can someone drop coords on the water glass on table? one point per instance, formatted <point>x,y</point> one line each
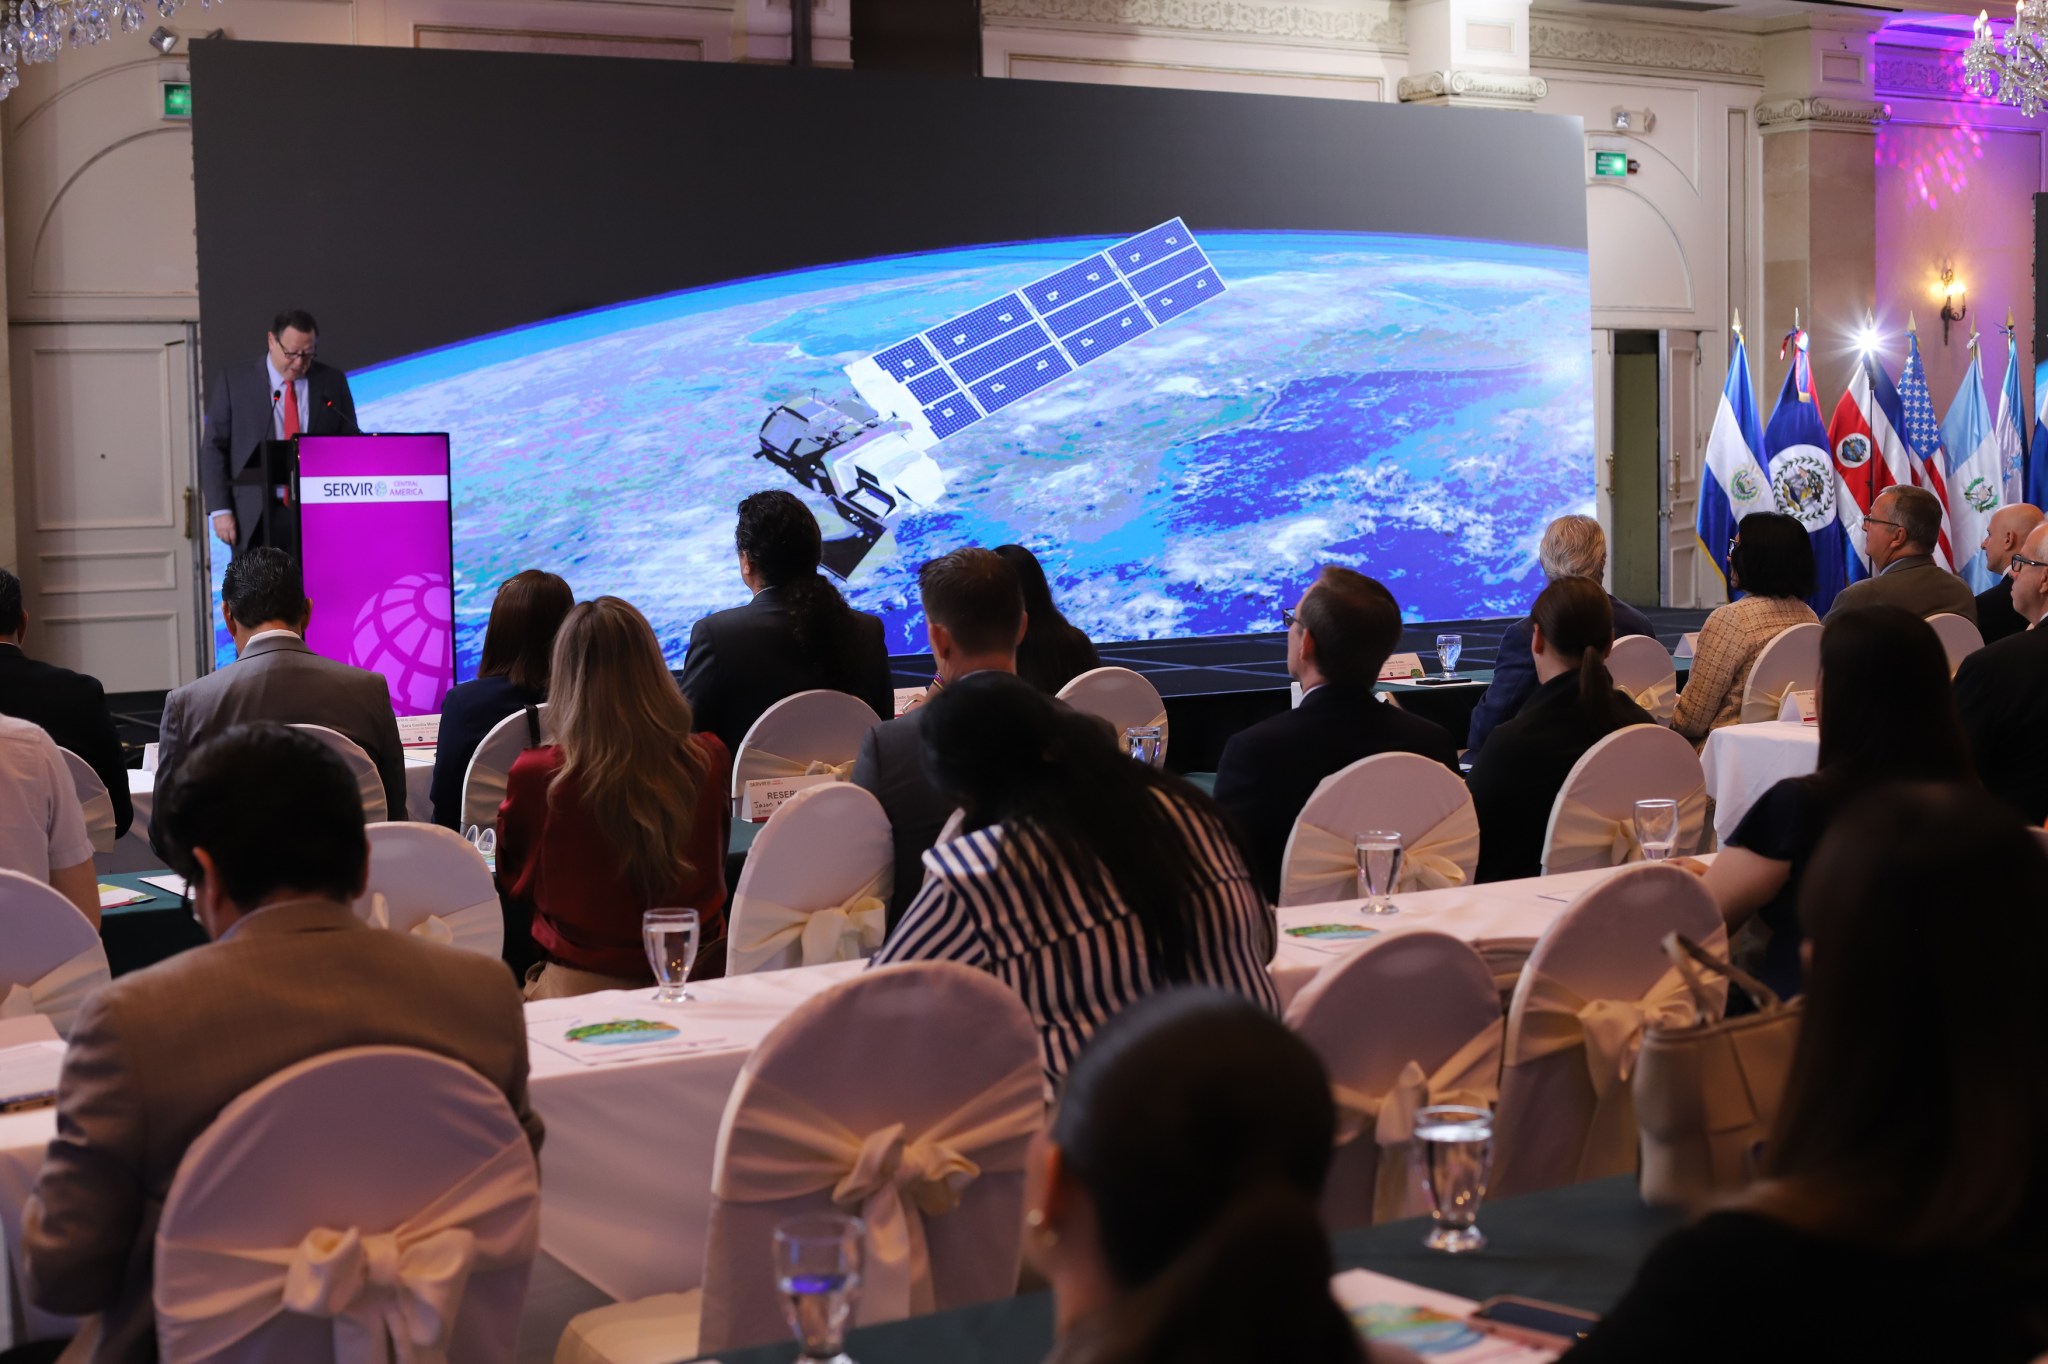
<point>1144,742</point>
<point>670,936</point>
<point>1448,647</point>
<point>1454,1154</point>
<point>817,1267</point>
<point>1656,828</point>
<point>1379,869</point>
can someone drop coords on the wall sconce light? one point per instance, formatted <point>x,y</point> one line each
<point>1955,301</point>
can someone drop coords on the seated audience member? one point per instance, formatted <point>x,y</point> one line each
<point>1885,715</point>
<point>2002,694</point>
<point>1172,1205</point>
<point>1575,705</point>
<point>797,634</point>
<point>1080,878</point>
<point>1899,535</point>
<point>276,677</point>
<point>1053,653</point>
<point>512,676</point>
<point>1338,636</point>
<point>2010,526</point>
<point>1771,562</point>
<point>267,825</point>
<point>1902,1213</point>
<point>624,812</point>
<point>71,707</point>
<point>974,616</point>
<point>1573,547</point>
<point>42,826</point>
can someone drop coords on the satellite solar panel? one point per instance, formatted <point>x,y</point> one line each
<point>1106,335</point>
<point>1101,303</point>
<point>907,359</point>
<point>1147,247</point>
<point>1025,377</point>
<point>932,386</point>
<point>1179,265</point>
<point>979,364</point>
<point>1176,299</point>
<point>983,325</point>
<point>951,414</point>
<point>1056,291</point>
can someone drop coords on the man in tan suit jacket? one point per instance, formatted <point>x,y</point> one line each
<point>267,824</point>
<point>1900,534</point>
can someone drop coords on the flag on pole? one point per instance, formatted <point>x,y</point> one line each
<point>1923,437</point>
<point>2037,454</point>
<point>2012,422</point>
<point>1733,484</point>
<point>1870,454</point>
<point>1803,476</point>
<point>1977,481</point>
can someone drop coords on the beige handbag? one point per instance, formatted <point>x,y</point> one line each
<point>1706,1095</point>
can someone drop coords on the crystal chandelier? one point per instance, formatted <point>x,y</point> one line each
<point>2014,69</point>
<point>37,30</point>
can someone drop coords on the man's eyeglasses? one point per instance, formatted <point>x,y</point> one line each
<point>1880,521</point>
<point>2022,561</point>
<point>306,354</point>
<point>1289,620</point>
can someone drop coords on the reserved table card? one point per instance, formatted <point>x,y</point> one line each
<point>764,797</point>
<point>1801,707</point>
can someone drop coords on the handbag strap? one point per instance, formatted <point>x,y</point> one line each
<point>532,727</point>
<point>1684,953</point>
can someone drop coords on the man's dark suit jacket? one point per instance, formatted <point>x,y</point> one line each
<point>73,709</point>
<point>1514,670</point>
<point>2002,696</point>
<point>1996,618</point>
<point>1268,772</point>
<point>238,420</point>
<point>891,765</point>
<point>744,660</point>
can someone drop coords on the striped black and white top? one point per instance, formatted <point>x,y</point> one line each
<point>998,899</point>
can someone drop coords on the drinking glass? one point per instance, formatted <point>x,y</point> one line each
<point>1143,743</point>
<point>1379,869</point>
<point>1656,828</point>
<point>1454,1154</point>
<point>671,939</point>
<point>1448,647</point>
<point>817,1267</point>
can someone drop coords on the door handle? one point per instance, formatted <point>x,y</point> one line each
<point>188,511</point>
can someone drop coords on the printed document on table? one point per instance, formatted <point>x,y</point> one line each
<point>610,1039</point>
<point>1396,1312</point>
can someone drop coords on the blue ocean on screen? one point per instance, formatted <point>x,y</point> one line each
<point>1415,407</point>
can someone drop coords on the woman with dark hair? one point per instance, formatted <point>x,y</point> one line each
<point>1886,714</point>
<point>1771,562</point>
<point>512,676</point>
<point>1053,652</point>
<point>1903,1211</point>
<point>1516,778</point>
<point>1172,1204</point>
<point>1080,878</point>
<point>797,634</point>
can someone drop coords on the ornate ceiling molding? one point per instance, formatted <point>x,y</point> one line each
<point>1491,88</point>
<point>1556,40</point>
<point>1378,25</point>
<point>1933,75</point>
<point>1820,113</point>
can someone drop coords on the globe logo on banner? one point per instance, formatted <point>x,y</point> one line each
<point>402,632</point>
<point>1804,482</point>
<point>1854,451</point>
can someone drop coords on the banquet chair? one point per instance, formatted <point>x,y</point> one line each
<point>1592,821</point>
<point>345,1195</point>
<point>813,733</point>
<point>816,884</point>
<point>431,882</point>
<point>1421,799</point>
<point>92,795</point>
<point>375,807</point>
<point>1404,1022</point>
<point>50,957</point>
<point>1959,638</point>
<point>1643,669</point>
<point>483,781</point>
<point>1597,979</point>
<point>1790,662</point>
<point>905,1096</point>
<point>1122,697</point>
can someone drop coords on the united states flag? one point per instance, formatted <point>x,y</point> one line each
<point>1923,438</point>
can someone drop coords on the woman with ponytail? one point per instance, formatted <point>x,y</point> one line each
<point>1575,705</point>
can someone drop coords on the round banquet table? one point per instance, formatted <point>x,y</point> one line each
<point>1744,761</point>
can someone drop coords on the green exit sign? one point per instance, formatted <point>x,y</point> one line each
<point>177,99</point>
<point>1610,163</point>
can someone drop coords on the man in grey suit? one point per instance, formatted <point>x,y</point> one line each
<point>974,614</point>
<point>276,677</point>
<point>1900,534</point>
<point>267,825</point>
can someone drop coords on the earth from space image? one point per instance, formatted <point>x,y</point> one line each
<point>1415,407</point>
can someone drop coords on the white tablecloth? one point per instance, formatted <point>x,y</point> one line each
<point>1744,761</point>
<point>419,784</point>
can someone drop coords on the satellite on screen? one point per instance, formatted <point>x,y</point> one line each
<point>871,455</point>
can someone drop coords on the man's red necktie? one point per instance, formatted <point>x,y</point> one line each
<point>291,410</point>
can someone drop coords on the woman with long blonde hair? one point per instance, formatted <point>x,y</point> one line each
<point>624,812</point>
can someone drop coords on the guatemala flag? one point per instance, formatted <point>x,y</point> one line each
<point>1803,475</point>
<point>2037,457</point>
<point>1870,454</point>
<point>1977,479</point>
<point>2012,421</point>
<point>1733,484</point>
<point>1923,438</point>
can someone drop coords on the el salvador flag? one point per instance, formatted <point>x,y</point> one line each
<point>1803,475</point>
<point>2037,456</point>
<point>1734,484</point>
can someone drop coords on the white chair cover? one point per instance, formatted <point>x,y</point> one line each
<point>367,1206</point>
<point>1122,697</point>
<point>1597,978</point>
<point>1790,662</point>
<point>375,806</point>
<point>1404,1022</point>
<point>813,733</point>
<point>1592,822</point>
<point>483,781</point>
<point>816,885</point>
<point>50,957</point>
<point>1959,638</point>
<point>1423,800</point>
<point>92,794</point>
<point>1643,669</point>
<point>429,881</point>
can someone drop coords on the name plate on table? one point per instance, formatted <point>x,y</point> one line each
<point>763,798</point>
<point>1401,667</point>
<point>1687,644</point>
<point>906,697</point>
<point>1800,706</point>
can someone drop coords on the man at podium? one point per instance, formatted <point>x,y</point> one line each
<point>287,393</point>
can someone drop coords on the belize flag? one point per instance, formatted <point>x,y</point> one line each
<point>1923,438</point>
<point>1803,476</point>
<point>1733,484</point>
<point>1977,479</point>
<point>2037,454</point>
<point>1870,454</point>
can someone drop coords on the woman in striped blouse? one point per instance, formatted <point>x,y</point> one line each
<point>1082,879</point>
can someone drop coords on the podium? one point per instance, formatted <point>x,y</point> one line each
<point>274,470</point>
